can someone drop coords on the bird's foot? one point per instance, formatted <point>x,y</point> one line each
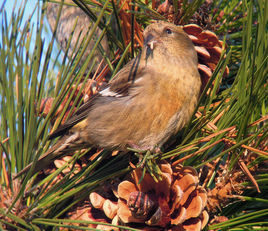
<point>149,163</point>
<point>148,158</point>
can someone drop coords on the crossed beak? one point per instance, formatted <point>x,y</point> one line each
<point>150,41</point>
<point>151,44</point>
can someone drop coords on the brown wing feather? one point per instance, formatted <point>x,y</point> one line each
<point>123,80</point>
<point>120,84</point>
<point>78,116</point>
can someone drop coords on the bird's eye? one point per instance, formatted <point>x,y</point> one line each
<point>168,31</point>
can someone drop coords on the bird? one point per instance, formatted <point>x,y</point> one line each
<point>149,100</point>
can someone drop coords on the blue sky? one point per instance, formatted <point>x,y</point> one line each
<point>10,4</point>
<point>30,6</point>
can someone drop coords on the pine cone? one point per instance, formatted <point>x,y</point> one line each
<point>174,203</point>
<point>7,196</point>
<point>208,48</point>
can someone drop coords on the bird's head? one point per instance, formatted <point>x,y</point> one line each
<point>166,39</point>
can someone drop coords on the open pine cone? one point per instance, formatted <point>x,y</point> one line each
<point>176,202</point>
<point>208,48</point>
<point>8,194</point>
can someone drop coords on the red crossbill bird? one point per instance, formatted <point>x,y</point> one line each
<point>149,100</point>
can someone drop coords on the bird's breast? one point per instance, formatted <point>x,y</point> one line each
<point>165,104</point>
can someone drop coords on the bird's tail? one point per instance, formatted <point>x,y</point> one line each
<point>65,145</point>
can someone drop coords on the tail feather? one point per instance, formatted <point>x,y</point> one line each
<point>65,145</point>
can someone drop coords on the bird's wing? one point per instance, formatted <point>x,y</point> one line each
<point>77,117</point>
<point>117,87</point>
<point>125,78</point>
